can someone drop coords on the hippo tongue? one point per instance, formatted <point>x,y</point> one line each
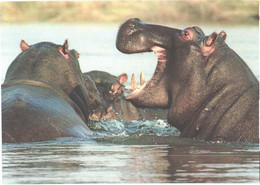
<point>161,54</point>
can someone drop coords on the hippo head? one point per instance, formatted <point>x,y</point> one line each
<point>53,66</point>
<point>182,66</point>
<point>105,94</point>
<point>176,49</point>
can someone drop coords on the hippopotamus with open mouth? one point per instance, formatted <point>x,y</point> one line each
<point>210,91</point>
<point>44,96</point>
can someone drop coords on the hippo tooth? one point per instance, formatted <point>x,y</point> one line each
<point>133,82</point>
<point>142,81</point>
<point>128,87</point>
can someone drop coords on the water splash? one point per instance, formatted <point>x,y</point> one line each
<point>115,128</point>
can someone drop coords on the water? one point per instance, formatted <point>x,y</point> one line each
<point>136,159</point>
<point>124,152</point>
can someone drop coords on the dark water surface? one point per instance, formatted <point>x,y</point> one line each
<point>124,152</point>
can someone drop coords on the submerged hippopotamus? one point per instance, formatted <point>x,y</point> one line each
<point>44,95</point>
<point>210,91</point>
<point>107,100</point>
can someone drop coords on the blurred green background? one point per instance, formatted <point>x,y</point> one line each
<point>193,11</point>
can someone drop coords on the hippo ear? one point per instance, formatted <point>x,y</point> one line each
<point>24,46</point>
<point>65,47</point>
<point>211,39</point>
<point>223,35</point>
<point>64,50</point>
<point>116,86</point>
<point>76,54</point>
<point>199,30</point>
<point>122,78</point>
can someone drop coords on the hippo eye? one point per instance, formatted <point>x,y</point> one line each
<point>186,33</point>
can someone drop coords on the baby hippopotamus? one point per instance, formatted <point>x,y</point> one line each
<point>107,99</point>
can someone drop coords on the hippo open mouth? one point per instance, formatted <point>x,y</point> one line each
<point>135,90</point>
<point>134,36</point>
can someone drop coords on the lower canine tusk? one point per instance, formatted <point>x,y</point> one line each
<point>133,82</point>
<point>142,81</point>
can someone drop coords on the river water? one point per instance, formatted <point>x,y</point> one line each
<point>124,152</point>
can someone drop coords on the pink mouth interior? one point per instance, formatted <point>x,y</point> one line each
<point>160,52</point>
<point>161,64</point>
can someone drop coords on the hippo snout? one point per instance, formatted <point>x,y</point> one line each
<point>135,20</point>
<point>133,37</point>
<point>131,26</point>
<point>134,24</point>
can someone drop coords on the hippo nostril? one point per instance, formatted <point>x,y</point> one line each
<point>137,20</point>
<point>134,23</point>
<point>134,20</point>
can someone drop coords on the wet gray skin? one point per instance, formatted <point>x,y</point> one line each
<point>107,100</point>
<point>44,96</point>
<point>210,91</point>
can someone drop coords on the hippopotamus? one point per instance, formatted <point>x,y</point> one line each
<point>44,96</point>
<point>107,100</point>
<point>210,91</point>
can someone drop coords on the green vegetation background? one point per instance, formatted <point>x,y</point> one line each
<point>194,11</point>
